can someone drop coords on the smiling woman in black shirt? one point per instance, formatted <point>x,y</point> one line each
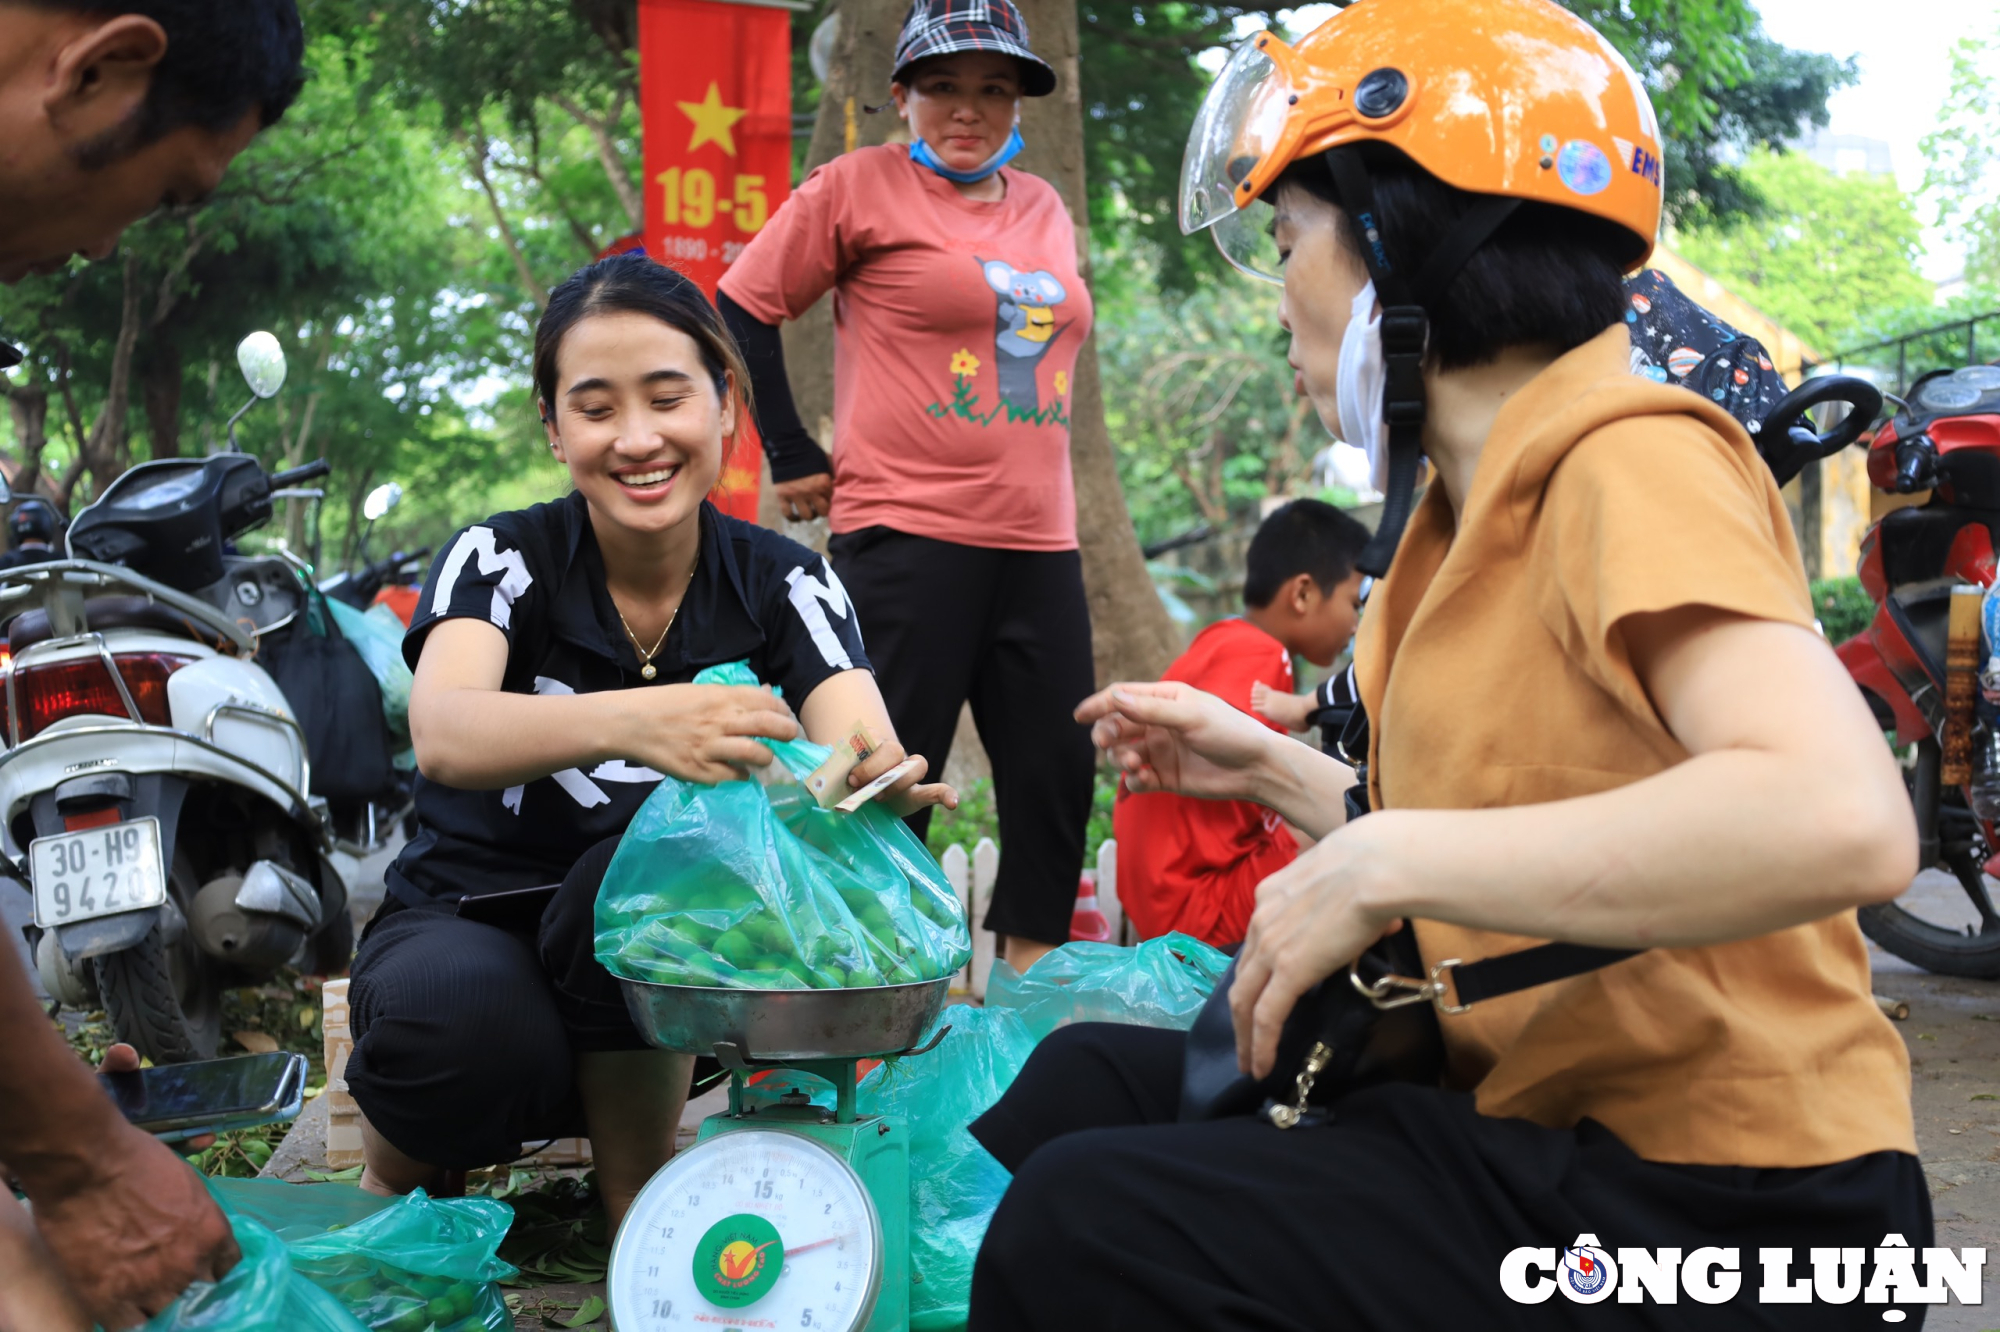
<point>552,650</point>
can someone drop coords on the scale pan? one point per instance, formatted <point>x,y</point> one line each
<point>770,1025</point>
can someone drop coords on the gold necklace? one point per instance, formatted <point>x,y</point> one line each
<point>646,668</point>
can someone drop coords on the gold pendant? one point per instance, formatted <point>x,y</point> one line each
<point>647,672</point>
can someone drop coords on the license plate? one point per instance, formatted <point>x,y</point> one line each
<point>96,872</point>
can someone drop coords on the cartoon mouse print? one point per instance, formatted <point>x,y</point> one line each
<point>1024,328</point>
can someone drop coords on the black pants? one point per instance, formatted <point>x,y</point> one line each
<point>466,1034</point>
<point>1009,632</point>
<point>1396,1216</point>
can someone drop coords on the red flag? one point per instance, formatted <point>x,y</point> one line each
<point>716,102</point>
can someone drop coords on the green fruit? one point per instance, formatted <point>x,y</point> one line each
<point>736,948</point>
<point>769,934</point>
<point>414,1319</point>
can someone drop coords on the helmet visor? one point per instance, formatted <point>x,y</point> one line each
<point>1239,124</point>
<point>1245,239</point>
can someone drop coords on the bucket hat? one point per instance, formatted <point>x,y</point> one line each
<point>941,27</point>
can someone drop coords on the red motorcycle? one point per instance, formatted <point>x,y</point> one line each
<point>1946,440</point>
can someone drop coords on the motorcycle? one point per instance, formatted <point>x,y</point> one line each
<point>392,579</point>
<point>1945,440</point>
<point>156,789</point>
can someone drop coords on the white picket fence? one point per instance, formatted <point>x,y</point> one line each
<point>972,876</point>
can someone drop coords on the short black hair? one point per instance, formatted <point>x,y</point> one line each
<point>224,59</point>
<point>1306,536</point>
<point>1549,276</point>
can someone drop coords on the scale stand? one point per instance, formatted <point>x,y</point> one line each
<point>778,1216</point>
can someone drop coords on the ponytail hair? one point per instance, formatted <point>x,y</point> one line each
<point>632,283</point>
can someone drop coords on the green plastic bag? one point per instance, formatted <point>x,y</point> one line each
<point>378,636</point>
<point>750,884</point>
<point>954,1182</point>
<point>411,1264</point>
<point>260,1294</point>
<point>1162,982</point>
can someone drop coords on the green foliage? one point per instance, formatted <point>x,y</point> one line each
<point>1827,252</point>
<point>1199,399</point>
<point>1844,610</point>
<point>1719,85</point>
<point>1721,88</point>
<point>978,816</point>
<point>1141,90</point>
<point>1963,156</point>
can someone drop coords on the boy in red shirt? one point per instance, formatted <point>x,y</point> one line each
<point>1194,865</point>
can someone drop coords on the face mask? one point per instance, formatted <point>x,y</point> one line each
<point>921,154</point>
<point>1361,383</point>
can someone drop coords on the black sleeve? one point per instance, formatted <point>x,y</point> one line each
<point>793,452</point>
<point>490,571</point>
<point>810,628</point>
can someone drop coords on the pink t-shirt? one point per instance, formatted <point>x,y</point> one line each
<point>956,329</point>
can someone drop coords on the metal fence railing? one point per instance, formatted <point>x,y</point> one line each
<point>1895,363</point>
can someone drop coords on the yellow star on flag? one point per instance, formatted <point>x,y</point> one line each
<point>712,120</point>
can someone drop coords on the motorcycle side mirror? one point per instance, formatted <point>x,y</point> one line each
<point>6,493</point>
<point>380,500</point>
<point>1787,438</point>
<point>263,363</point>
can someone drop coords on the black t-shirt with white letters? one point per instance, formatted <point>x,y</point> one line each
<point>537,575</point>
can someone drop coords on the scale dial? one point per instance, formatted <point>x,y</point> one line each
<point>756,1228</point>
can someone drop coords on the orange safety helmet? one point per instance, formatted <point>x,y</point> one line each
<point>1511,101</point>
<point>1516,98</point>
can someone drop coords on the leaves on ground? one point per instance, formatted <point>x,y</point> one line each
<point>559,1234</point>
<point>590,1312</point>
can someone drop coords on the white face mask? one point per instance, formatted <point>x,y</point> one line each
<point>1361,383</point>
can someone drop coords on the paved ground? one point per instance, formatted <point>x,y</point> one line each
<point>1953,1032</point>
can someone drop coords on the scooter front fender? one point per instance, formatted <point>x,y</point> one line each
<point>1871,674</point>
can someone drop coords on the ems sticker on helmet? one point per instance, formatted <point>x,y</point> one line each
<point>1583,167</point>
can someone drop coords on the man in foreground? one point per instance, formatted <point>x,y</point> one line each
<point>107,114</point>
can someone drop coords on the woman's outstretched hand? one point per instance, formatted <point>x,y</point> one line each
<point>1313,918</point>
<point>1169,736</point>
<point>705,733</point>
<point>910,792</point>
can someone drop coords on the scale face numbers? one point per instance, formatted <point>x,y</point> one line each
<point>753,1229</point>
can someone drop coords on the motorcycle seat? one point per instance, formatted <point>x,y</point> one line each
<point>101,613</point>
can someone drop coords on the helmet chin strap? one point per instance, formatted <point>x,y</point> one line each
<point>1406,329</point>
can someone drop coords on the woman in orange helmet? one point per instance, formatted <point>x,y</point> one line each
<point>1602,717</point>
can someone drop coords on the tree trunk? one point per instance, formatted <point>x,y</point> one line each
<point>475,156</point>
<point>857,78</point>
<point>1130,631</point>
<point>160,386</point>
<point>603,135</point>
<point>30,410</point>
<point>1131,634</point>
<point>103,453</point>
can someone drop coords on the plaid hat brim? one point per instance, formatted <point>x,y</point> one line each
<point>945,27</point>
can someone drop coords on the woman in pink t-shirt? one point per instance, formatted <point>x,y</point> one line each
<point>958,314</point>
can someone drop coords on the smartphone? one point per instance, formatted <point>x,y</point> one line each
<point>177,1101</point>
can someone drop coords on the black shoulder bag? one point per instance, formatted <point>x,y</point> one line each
<point>1378,1023</point>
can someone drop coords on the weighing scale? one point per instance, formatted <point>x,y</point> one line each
<point>780,1216</point>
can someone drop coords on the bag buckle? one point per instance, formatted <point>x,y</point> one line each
<point>1291,1116</point>
<point>1393,991</point>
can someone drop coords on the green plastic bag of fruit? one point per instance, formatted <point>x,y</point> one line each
<point>750,884</point>
<point>415,1264</point>
<point>260,1294</point>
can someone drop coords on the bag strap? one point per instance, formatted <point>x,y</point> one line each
<point>1488,978</point>
<point>1491,977</point>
